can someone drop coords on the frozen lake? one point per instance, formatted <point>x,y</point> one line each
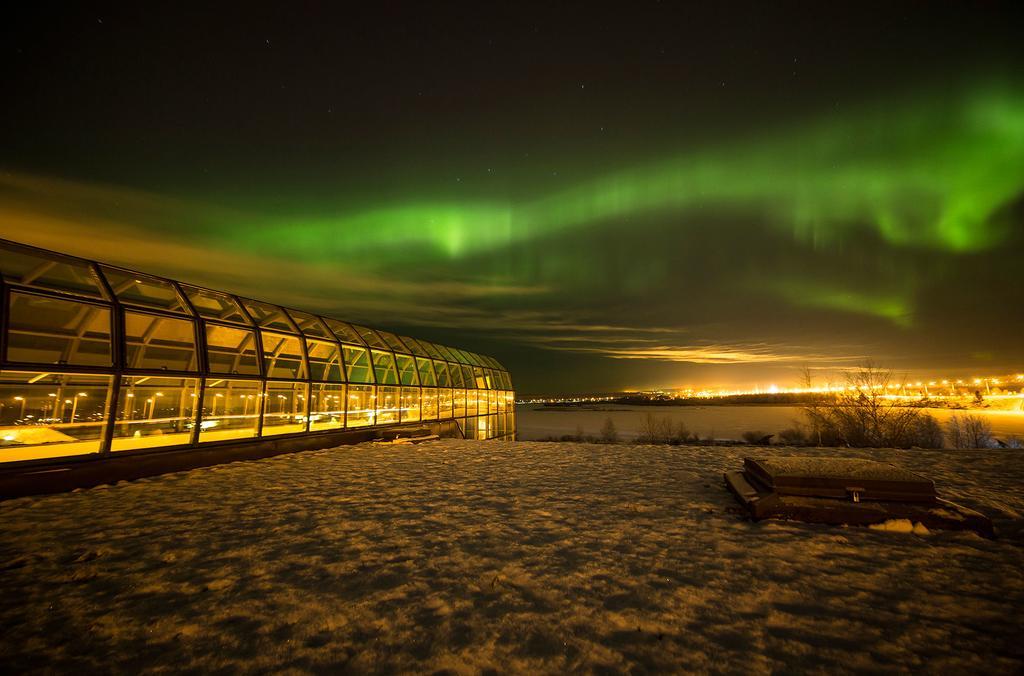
<point>721,422</point>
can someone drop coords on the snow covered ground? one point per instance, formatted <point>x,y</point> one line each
<point>524,557</point>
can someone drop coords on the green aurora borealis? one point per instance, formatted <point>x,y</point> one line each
<point>888,227</point>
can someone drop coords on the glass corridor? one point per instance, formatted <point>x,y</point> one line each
<point>96,359</point>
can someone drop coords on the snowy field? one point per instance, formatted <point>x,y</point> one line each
<point>466,557</point>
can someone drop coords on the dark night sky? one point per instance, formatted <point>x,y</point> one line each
<point>648,195</point>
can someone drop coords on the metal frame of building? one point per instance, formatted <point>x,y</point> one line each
<point>157,353</point>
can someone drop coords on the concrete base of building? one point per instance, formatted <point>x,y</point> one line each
<point>57,477</point>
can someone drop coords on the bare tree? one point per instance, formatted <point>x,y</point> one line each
<point>654,430</point>
<point>862,415</point>
<point>969,431</point>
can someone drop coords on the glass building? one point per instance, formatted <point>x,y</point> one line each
<point>101,360</point>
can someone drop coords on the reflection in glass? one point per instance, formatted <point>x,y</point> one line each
<point>361,406</point>
<point>426,368</point>
<point>384,368</point>
<point>441,369</point>
<point>343,331</point>
<point>459,403</point>
<point>326,407</point>
<point>393,341</point>
<point>50,272</point>
<point>357,364</point>
<point>284,408</point>
<point>444,403</point>
<point>132,288</point>
<point>153,411</point>
<point>309,325</point>
<point>231,409</point>
<point>406,369</point>
<point>282,356</point>
<point>325,360</point>
<point>48,415</point>
<point>231,350</point>
<point>268,316</point>
<point>428,403</point>
<point>388,402</point>
<point>410,404</point>
<point>370,337</point>
<point>215,305</point>
<point>159,343</point>
<point>44,330</point>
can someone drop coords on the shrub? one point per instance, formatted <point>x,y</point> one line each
<point>861,415</point>
<point>927,432</point>
<point>793,436</point>
<point>969,431</point>
<point>609,434</point>
<point>683,435</point>
<point>655,430</point>
<point>754,437</point>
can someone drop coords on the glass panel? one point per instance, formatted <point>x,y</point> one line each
<point>268,316</point>
<point>473,359</point>
<point>135,289</point>
<point>486,427</point>
<point>446,354</point>
<point>325,360</point>
<point>459,403</point>
<point>459,357</point>
<point>343,331</point>
<point>428,403</point>
<point>406,369</point>
<point>441,369</point>
<point>326,407</point>
<point>456,373</point>
<point>157,343</point>
<point>154,411</point>
<point>410,404</point>
<point>231,409</point>
<point>501,402</point>
<point>215,305</point>
<point>284,410</point>
<point>370,337</point>
<point>23,266</point>
<point>282,356</point>
<point>467,376</point>
<point>309,324</point>
<point>492,401</point>
<point>393,341</point>
<point>45,330</point>
<point>414,346</point>
<point>388,399</point>
<point>444,403</point>
<point>481,402</point>
<point>357,364</point>
<point>231,350</point>
<point>384,368</point>
<point>432,351</point>
<point>426,369</point>
<point>471,402</point>
<point>48,415</point>
<point>361,405</point>
<point>479,378</point>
